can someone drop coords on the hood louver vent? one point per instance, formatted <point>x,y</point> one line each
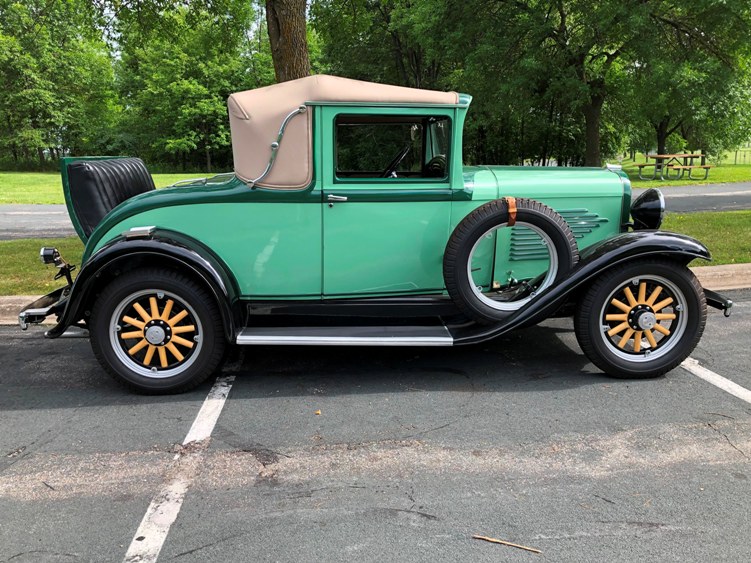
<point>527,245</point>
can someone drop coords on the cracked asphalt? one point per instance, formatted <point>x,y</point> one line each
<point>414,451</point>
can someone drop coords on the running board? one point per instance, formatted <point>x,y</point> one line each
<point>346,336</point>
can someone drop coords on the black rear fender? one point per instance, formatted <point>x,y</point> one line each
<point>593,261</point>
<point>165,249</point>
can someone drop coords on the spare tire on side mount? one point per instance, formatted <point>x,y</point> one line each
<point>486,304</point>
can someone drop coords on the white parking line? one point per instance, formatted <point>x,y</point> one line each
<point>164,508</point>
<point>692,365</point>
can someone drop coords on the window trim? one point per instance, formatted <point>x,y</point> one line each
<point>399,180</point>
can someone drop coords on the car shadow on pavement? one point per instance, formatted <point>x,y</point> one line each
<point>58,373</point>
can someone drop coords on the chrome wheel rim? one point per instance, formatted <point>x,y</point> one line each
<point>643,319</point>
<point>491,298</point>
<point>155,333</point>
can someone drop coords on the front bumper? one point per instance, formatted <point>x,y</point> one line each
<point>51,304</point>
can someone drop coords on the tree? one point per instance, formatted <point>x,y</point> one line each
<point>56,80</point>
<point>175,83</point>
<point>288,37</point>
<point>579,42</point>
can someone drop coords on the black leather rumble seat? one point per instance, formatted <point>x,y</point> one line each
<point>98,186</point>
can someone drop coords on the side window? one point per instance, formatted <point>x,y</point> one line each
<point>387,146</point>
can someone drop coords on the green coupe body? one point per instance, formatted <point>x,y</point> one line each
<point>351,219</point>
<point>389,236</point>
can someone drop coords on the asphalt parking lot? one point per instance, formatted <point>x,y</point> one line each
<point>413,452</point>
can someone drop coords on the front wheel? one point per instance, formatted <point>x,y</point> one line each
<point>642,319</point>
<point>157,331</point>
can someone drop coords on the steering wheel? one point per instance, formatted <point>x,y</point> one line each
<point>436,166</point>
<point>390,171</point>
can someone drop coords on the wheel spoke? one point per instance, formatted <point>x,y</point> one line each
<point>134,322</point>
<point>662,304</point>
<point>626,338</point>
<point>665,316</point>
<point>167,309</point>
<point>662,329</point>
<point>184,328</point>
<point>149,355</point>
<point>619,317</point>
<point>620,305</point>
<point>132,334</point>
<point>620,328</point>
<point>629,296</point>
<point>181,341</point>
<point>142,344</point>
<point>655,295</point>
<point>177,318</point>
<point>637,341</point>
<point>162,356</point>
<point>141,311</point>
<point>642,292</point>
<point>154,308</point>
<point>650,338</point>
<point>175,352</point>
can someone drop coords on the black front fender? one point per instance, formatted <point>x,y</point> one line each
<point>593,261</point>
<point>167,248</point>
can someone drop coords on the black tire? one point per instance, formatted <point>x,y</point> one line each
<point>487,308</point>
<point>171,351</point>
<point>637,350</point>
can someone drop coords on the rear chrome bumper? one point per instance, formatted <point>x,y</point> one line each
<point>36,312</point>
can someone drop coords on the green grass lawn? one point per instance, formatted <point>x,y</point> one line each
<point>46,187</point>
<point>726,234</point>
<point>725,173</point>
<point>21,272</point>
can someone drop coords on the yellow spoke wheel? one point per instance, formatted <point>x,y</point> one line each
<point>641,319</point>
<point>157,331</point>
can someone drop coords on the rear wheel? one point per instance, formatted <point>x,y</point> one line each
<point>642,319</point>
<point>157,331</point>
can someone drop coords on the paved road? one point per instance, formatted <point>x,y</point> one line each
<point>51,221</point>
<point>34,221</point>
<point>711,197</point>
<point>414,451</point>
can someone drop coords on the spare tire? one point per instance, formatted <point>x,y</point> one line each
<point>486,304</point>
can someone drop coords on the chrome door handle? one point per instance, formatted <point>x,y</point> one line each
<point>332,197</point>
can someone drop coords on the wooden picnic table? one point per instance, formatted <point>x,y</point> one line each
<point>664,164</point>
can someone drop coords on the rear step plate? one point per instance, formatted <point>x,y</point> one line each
<point>347,336</point>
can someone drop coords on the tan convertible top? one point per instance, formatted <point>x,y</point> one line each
<point>255,117</point>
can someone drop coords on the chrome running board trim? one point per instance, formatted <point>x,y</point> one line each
<point>346,336</point>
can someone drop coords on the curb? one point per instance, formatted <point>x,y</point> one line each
<point>716,278</point>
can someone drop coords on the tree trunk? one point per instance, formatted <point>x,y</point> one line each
<point>662,136</point>
<point>592,112</point>
<point>288,38</point>
<point>40,152</point>
<point>208,159</point>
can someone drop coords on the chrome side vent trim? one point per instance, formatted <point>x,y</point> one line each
<point>527,245</point>
<point>581,221</point>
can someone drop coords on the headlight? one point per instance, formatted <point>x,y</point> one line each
<point>648,209</point>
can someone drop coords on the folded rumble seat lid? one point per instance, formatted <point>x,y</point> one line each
<point>256,116</point>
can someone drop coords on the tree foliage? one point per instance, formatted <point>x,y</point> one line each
<point>56,81</point>
<point>174,79</point>
<point>563,82</point>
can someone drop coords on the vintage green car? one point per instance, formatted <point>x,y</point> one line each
<point>350,219</point>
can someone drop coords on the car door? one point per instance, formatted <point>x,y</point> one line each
<point>386,200</point>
